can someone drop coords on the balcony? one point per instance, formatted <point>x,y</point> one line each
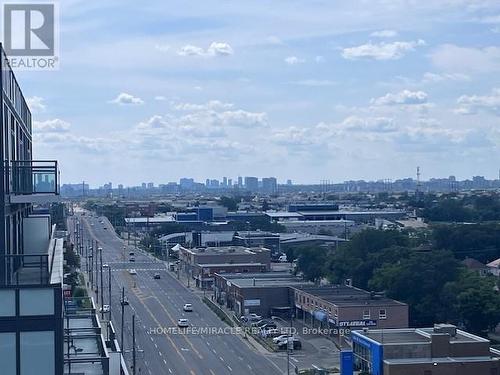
<point>33,181</point>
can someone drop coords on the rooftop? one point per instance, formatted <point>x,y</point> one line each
<point>223,250</point>
<point>264,279</point>
<point>410,336</point>
<point>342,295</point>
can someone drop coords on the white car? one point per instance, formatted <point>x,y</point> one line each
<point>273,332</point>
<point>132,271</point>
<point>104,309</point>
<point>183,323</point>
<point>282,338</point>
<point>188,307</point>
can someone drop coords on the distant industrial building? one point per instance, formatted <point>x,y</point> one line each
<point>441,350</point>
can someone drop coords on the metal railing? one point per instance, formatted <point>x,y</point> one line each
<point>32,177</point>
<point>22,269</point>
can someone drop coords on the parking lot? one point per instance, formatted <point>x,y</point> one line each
<point>315,350</point>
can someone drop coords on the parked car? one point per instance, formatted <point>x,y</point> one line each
<point>261,322</point>
<point>132,271</point>
<point>131,253</point>
<point>268,326</point>
<point>131,259</point>
<point>297,345</point>
<point>183,323</point>
<point>157,276</point>
<point>251,318</point>
<point>280,338</point>
<point>272,332</point>
<point>104,309</point>
<point>188,307</point>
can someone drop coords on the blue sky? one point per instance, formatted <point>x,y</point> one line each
<point>306,90</point>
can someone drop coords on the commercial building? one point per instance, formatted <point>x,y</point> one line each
<point>440,350</point>
<point>203,262</point>
<point>265,294</point>
<point>344,306</point>
<point>31,255</point>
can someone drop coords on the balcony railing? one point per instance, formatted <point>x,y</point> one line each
<point>33,269</point>
<point>28,177</point>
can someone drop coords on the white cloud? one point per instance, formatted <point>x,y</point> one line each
<point>51,126</point>
<point>368,124</point>
<point>294,60</point>
<point>405,97</point>
<point>452,58</point>
<point>215,49</point>
<point>469,105</point>
<point>243,119</point>
<point>384,34</point>
<point>381,51</point>
<point>160,98</point>
<point>440,77</point>
<point>36,104</point>
<point>314,82</point>
<point>210,105</point>
<point>190,50</point>
<point>219,49</point>
<point>127,99</point>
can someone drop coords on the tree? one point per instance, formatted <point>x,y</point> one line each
<point>419,281</point>
<point>311,262</point>
<point>230,203</point>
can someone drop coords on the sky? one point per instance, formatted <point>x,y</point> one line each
<point>306,90</point>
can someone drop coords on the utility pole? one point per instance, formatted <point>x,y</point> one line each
<point>102,288</point>
<point>109,290</point>
<point>133,344</point>
<point>123,318</point>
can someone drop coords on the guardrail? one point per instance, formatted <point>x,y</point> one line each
<point>32,177</point>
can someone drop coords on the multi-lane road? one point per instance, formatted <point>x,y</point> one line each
<point>157,305</point>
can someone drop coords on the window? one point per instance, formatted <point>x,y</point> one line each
<point>8,305</point>
<point>36,302</point>
<point>37,355</point>
<point>382,314</point>
<point>8,352</point>
<point>366,314</point>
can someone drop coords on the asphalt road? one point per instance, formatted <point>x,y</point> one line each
<point>157,305</point>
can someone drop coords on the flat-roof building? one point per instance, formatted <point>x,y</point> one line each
<point>439,350</point>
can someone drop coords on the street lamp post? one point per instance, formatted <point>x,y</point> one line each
<point>102,288</point>
<point>122,302</point>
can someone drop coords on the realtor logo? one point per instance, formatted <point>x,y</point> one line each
<point>30,35</point>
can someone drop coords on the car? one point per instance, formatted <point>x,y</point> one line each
<point>253,317</point>
<point>268,326</point>
<point>280,338</point>
<point>131,259</point>
<point>132,271</point>
<point>105,228</point>
<point>262,322</point>
<point>105,265</point>
<point>131,253</point>
<point>187,307</point>
<point>282,259</point>
<point>297,345</point>
<point>182,323</point>
<point>125,301</point>
<point>156,276</point>
<point>272,332</point>
<point>104,309</point>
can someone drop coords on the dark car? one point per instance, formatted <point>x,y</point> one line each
<point>157,276</point>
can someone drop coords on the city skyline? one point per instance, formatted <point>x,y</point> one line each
<point>359,90</point>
